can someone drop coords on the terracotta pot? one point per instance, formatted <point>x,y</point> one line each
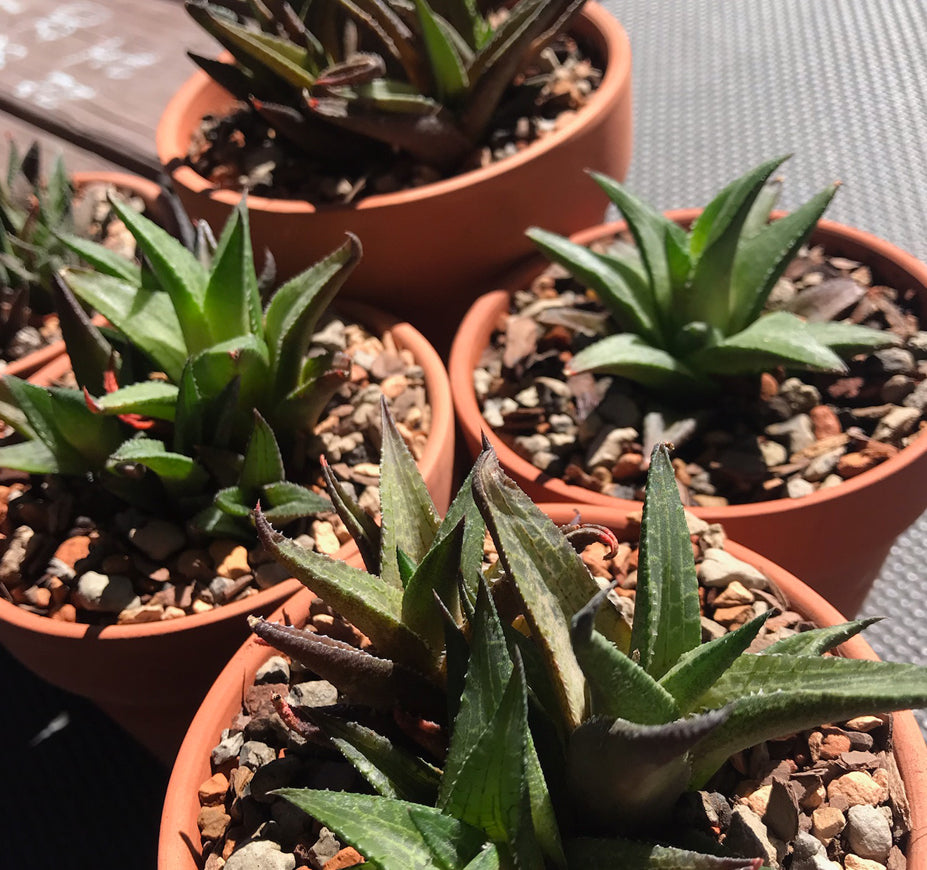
<point>179,845</point>
<point>150,678</point>
<point>835,539</point>
<point>150,193</point>
<point>414,265</point>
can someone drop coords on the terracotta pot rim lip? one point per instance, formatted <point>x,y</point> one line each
<point>616,78</point>
<point>808,602</point>
<point>466,401</point>
<point>145,187</point>
<point>439,399</point>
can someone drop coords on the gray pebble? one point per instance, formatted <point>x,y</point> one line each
<point>747,836</point>
<point>868,833</point>
<point>314,693</point>
<point>819,467</point>
<point>896,361</point>
<point>261,855</point>
<point>105,593</point>
<point>896,424</point>
<point>275,670</point>
<point>720,568</point>
<point>608,446</point>
<point>799,396</point>
<point>528,397</point>
<point>227,748</point>
<point>797,430</point>
<point>270,574</point>
<point>896,389</point>
<point>158,539</point>
<point>254,754</point>
<point>773,453</point>
<point>917,344</point>
<point>918,398</point>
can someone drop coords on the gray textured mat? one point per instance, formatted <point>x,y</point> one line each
<point>720,85</point>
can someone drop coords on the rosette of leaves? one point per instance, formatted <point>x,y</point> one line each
<point>32,212</point>
<point>424,77</point>
<point>195,398</point>
<point>569,737</point>
<point>689,306</point>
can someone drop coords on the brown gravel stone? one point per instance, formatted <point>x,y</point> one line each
<point>858,788</point>
<point>326,541</point>
<point>347,857</point>
<point>851,464</point>
<point>824,422</point>
<point>65,613</point>
<point>628,466</point>
<point>212,822</point>
<point>230,558</point>
<point>71,550</point>
<point>212,792</point>
<point>827,823</point>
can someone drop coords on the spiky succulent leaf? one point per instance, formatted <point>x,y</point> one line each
<point>463,509</point>
<point>848,338</point>
<point>775,695</point>
<point>409,520</point>
<point>630,356</point>
<point>447,66</point>
<point>618,686</point>
<point>653,760</point>
<point>761,259</point>
<point>232,300</point>
<point>263,463</point>
<point>90,353</point>
<point>634,855</point>
<point>102,259</point>
<point>390,770</point>
<point>624,298</point>
<point>818,641</point>
<point>698,670</point>
<point>179,473</point>
<point>362,527</point>
<point>179,274</point>
<point>667,622</point>
<point>775,338</point>
<point>285,501</point>
<point>295,309</point>
<point>373,606</point>
<point>150,398</point>
<point>145,316</point>
<point>392,834</point>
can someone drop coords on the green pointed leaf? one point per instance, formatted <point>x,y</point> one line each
<point>760,213</point>
<point>102,259</point>
<point>618,686</point>
<point>632,855</point>
<point>713,243</point>
<point>388,832</point>
<point>653,234</point>
<point>149,398</point>
<point>818,641</point>
<point>630,309</point>
<point>699,669</point>
<point>372,605</point>
<point>284,501</point>
<point>145,317</point>
<point>361,526</point>
<point>263,463</point>
<point>653,761</point>
<point>761,260</point>
<point>232,300</point>
<point>437,574</point>
<point>463,508</point>
<point>776,695</point>
<point>548,574</point>
<point>778,338</point>
<point>667,623</point>
<point>232,501</point>
<point>295,308</point>
<point>630,356</point>
<point>179,274</point>
<point>848,338</point>
<point>179,473</point>
<point>392,771</point>
<point>447,67</point>
<point>408,517</point>
<point>32,457</point>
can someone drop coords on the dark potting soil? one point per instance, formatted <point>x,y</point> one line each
<point>781,435</point>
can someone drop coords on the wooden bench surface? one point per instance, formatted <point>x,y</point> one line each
<point>93,72</point>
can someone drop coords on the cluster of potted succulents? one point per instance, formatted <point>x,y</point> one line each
<point>667,699</point>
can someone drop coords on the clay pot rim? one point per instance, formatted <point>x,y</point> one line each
<point>438,393</point>
<point>204,730</point>
<point>594,22</point>
<point>469,343</point>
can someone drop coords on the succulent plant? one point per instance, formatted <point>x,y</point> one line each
<point>690,305</point>
<point>425,78</point>
<point>605,725</point>
<point>193,398</point>
<point>32,211</point>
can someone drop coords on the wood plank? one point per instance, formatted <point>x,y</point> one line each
<point>96,72</point>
